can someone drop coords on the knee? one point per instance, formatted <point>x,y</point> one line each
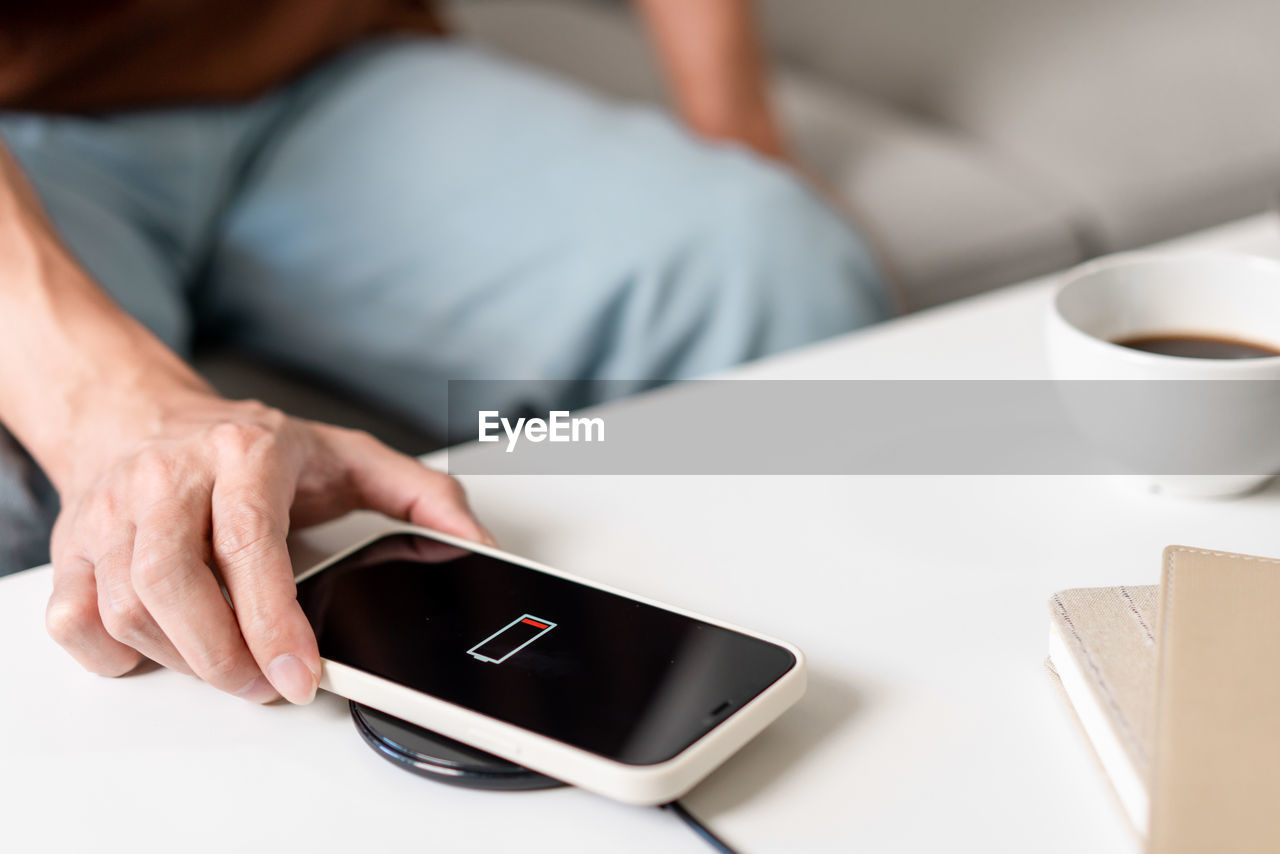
<point>793,268</point>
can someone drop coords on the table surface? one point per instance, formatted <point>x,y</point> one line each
<point>929,725</point>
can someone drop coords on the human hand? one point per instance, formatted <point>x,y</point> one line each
<point>206,489</point>
<point>716,68</point>
<point>756,128</point>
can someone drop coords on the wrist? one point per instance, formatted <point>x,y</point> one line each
<point>90,380</point>
<point>78,375</point>
<point>113,410</point>
<point>751,124</point>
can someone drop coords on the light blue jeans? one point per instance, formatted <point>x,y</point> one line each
<point>418,210</point>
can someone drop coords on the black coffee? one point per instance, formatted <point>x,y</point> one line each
<point>1199,346</point>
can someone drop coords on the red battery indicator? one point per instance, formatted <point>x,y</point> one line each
<point>511,638</point>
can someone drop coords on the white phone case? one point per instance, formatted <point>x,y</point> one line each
<point>634,784</point>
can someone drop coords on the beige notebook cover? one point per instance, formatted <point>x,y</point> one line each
<point>1179,692</point>
<point>1215,771</point>
<point>1102,645</point>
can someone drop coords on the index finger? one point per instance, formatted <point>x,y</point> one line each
<point>402,487</point>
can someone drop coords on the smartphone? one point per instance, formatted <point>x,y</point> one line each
<point>617,694</point>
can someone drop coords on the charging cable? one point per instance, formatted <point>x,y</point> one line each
<point>716,843</point>
<point>444,760</point>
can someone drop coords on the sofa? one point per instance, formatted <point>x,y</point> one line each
<point>980,142</point>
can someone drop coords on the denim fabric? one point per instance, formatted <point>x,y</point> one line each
<point>417,211</point>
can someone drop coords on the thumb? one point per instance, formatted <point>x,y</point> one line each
<point>402,487</point>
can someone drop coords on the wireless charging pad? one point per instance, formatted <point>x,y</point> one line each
<point>442,759</point>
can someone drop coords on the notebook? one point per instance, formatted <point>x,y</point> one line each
<point>1102,645</point>
<point>1178,688</point>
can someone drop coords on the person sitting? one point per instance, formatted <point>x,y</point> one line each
<point>340,187</point>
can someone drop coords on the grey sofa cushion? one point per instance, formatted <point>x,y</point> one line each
<point>1145,118</point>
<point>951,219</point>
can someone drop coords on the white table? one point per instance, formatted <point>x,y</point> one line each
<point>929,724</point>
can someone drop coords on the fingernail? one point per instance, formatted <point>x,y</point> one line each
<point>258,691</point>
<point>292,679</point>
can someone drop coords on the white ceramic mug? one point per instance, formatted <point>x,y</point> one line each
<point>1232,425</point>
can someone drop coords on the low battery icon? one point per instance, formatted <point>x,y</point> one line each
<point>511,638</point>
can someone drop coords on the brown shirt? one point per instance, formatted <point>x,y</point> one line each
<point>93,55</point>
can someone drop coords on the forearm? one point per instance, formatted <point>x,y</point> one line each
<point>716,69</point>
<point>160,479</point>
<point>75,370</point>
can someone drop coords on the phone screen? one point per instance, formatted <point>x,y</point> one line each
<point>626,680</point>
